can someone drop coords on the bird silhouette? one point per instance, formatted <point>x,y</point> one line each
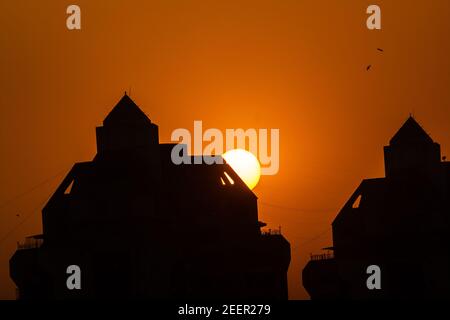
<point>368,67</point>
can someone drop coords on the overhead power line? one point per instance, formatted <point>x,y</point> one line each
<point>40,184</point>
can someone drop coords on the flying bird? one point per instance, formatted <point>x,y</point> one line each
<point>368,67</point>
<point>379,49</point>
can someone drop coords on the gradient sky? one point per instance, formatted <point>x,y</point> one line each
<point>299,66</point>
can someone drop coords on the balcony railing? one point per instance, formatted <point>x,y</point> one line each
<point>324,256</point>
<point>271,232</point>
<point>30,243</point>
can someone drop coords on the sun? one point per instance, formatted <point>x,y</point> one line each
<point>245,164</point>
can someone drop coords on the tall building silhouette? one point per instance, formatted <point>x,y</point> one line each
<point>139,226</point>
<point>400,223</point>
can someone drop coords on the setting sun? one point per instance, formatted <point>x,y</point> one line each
<point>245,164</point>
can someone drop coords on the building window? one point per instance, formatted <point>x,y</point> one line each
<point>357,202</point>
<point>230,180</point>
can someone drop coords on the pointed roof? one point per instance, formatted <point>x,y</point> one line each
<point>125,111</point>
<point>411,131</point>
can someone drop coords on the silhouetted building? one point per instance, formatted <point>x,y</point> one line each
<point>139,226</point>
<point>400,223</point>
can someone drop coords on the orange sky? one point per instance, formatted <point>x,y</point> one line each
<point>299,66</point>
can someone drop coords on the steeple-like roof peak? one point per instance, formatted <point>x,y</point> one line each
<point>126,111</point>
<point>411,131</point>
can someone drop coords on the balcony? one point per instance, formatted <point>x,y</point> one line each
<point>33,242</point>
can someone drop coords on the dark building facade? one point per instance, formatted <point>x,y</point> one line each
<point>139,226</point>
<point>400,223</point>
